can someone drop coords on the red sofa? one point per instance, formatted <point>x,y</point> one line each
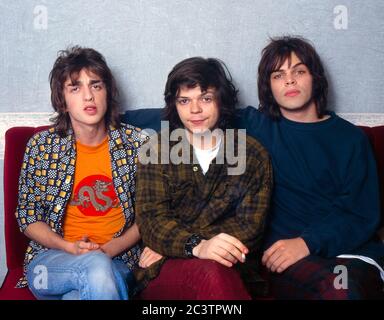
<point>15,141</point>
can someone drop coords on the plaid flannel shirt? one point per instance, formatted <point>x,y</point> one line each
<point>47,176</point>
<point>174,202</point>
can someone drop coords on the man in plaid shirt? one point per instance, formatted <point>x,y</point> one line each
<point>201,217</point>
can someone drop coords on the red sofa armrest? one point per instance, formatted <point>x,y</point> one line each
<point>16,139</point>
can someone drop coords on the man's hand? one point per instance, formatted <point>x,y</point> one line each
<point>148,257</point>
<point>222,248</point>
<point>82,246</point>
<point>284,253</point>
<point>109,248</point>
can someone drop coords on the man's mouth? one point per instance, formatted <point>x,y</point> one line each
<point>292,93</point>
<point>91,110</point>
<point>197,121</point>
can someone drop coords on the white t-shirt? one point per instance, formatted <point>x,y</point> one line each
<point>205,157</point>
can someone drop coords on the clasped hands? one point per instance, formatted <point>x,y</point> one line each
<point>85,245</point>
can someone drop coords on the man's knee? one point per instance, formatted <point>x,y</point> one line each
<point>216,281</point>
<point>98,273</point>
<point>213,272</point>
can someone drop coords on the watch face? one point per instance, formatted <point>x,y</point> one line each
<point>189,250</point>
<point>192,242</point>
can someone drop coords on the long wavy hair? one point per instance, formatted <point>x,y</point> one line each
<point>273,57</point>
<point>206,73</point>
<point>69,64</point>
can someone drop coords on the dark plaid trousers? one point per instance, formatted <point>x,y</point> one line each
<point>314,277</point>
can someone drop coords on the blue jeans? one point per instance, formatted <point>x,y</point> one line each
<point>55,275</point>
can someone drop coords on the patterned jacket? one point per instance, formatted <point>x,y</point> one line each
<point>47,177</point>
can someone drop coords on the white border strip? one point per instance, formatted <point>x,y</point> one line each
<point>364,119</point>
<point>19,119</point>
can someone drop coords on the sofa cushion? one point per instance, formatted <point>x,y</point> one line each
<point>16,243</point>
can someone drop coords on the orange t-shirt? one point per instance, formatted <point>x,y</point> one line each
<point>94,208</point>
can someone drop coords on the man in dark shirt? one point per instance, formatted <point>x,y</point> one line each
<point>326,200</point>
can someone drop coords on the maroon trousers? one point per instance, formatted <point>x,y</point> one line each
<point>195,279</point>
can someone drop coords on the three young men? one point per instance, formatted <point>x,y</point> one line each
<point>76,190</point>
<point>325,201</point>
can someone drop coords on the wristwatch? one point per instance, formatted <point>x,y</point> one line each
<point>192,242</point>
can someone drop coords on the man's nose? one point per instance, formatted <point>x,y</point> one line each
<point>195,106</point>
<point>290,80</point>
<point>88,94</point>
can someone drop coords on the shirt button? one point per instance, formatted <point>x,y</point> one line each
<point>58,207</point>
<point>195,168</point>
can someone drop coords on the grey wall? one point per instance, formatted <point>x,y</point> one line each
<point>142,40</point>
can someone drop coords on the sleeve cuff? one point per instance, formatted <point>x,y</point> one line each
<point>312,244</point>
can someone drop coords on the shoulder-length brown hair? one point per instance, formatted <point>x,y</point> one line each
<point>206,73</point>
<point>69,64</point>
<point>273,57</point>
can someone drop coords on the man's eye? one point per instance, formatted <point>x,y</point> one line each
<point>300,71</point>
<point>74,89</point>
<point>207,99</point>
<point>96,86</point>
<point>276,76</point>
<point>182,101</point>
